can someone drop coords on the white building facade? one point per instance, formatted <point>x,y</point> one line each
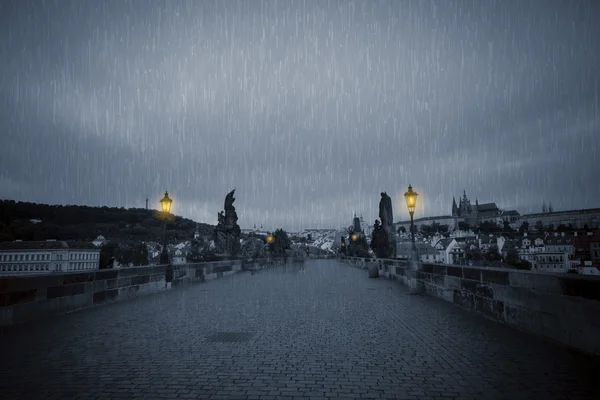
<point>37,257</point>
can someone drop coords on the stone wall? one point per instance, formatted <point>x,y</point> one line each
<point>28,298</point>
<point>561,307</point>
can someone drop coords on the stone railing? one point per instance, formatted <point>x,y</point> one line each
<point>561,307</point>
<point>28,298</point>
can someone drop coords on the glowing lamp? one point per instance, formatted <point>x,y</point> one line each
<point>411,200</point>
<point>354,236</point>
<point>270,238</point>
<point>165,203</point>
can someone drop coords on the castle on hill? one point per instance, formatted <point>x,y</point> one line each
<point>474,215</point>
<point>464,212</point>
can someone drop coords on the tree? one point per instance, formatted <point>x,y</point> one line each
<point>464,226</point>
<point>281,242</point>
<point>426,229</point>
<point>86,223</point>
<point>107,254</point>
<point>195,253</point>
<point>401,230</point>
<point>207,253</point>
<point>512,256</point>
<point>139,230</point>
<point>524,228</point>
<point>562,228</point>
<point>473,254</point>
<point>124,254</point>
<point>6,235</point>
<point>493,254</point>
<point>139,254</point>
<point>358,247</point>
<point>488,227</point>
<point>506,227</point>
<point>539,226</point>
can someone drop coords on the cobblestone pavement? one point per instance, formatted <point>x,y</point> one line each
<point>322,331</point>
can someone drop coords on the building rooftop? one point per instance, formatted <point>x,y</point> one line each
<point>510,213</point>
<point>444,243</point>
<point>423,219</point>
<point>422,248</point>
<point>549,214</point>
<point>559,240</point>
<point>487,207</point>
<point>44,245</point>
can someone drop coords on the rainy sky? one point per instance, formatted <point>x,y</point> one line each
<point>309,109</point>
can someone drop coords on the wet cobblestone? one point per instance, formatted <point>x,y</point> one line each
<point>322,331</point>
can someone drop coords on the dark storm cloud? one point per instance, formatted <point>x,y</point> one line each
<point>310,109</point>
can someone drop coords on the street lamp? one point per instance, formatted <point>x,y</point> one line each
<point>411,202</point>
<point>270,238</point>
<point>354,236</point>
<point>165,205</point>
<point>414,275</point>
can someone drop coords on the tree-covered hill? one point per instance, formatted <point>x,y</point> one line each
<point>87,223</point>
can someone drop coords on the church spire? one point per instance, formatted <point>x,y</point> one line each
<point>454,207</point>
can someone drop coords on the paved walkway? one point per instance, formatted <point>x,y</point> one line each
<point>322,331</point>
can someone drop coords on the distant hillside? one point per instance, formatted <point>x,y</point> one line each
<point>31,221</point>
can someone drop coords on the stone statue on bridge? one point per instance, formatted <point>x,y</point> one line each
<point>379,241</point>
<point>227,232</point>
<point>387,224</point>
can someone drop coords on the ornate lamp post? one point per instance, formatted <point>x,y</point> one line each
<point>414,275</point>
<point>411,202</point>
<point>165,205</point>
<point>354,237</point>
<point>269,239</point>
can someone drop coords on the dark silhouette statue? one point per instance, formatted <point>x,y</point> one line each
<point>387,223</point>
<point>227,232</point>
<point>385,210</point>
<point>379,241</point>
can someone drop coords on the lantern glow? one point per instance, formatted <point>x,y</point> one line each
<point>165,203</point>
<point>411,199</point>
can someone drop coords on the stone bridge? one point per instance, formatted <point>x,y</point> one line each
<point>320,329</point>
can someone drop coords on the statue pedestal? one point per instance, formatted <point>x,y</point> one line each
<point>373,267</point>
<point>413,276</point>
